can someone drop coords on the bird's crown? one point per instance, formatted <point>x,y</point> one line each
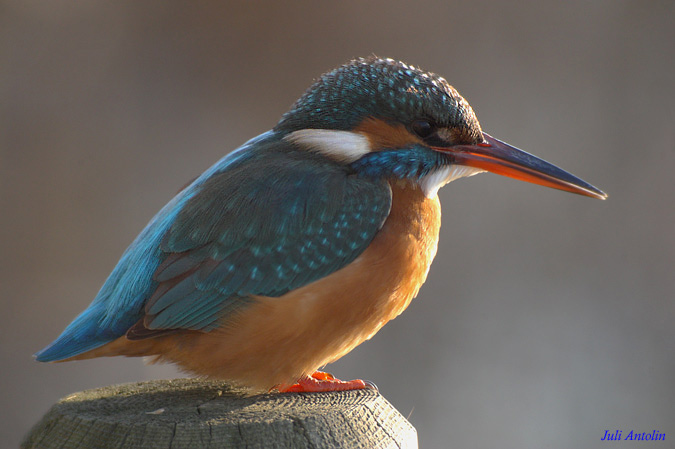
<point>384,89</point>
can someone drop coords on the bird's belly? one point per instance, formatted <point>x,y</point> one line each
<point>276,340</point>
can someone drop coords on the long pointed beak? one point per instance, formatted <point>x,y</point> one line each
<point>501,158</point>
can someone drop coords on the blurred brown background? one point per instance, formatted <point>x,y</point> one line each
<point>547,317</point>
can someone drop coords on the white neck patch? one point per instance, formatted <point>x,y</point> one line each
<point>440,177</point>
<point>342,146</point>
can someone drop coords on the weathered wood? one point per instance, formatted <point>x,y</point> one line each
<point>191,413</point>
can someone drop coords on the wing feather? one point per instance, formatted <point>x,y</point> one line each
<point>265,227</point>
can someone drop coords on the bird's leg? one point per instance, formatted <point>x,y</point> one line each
<point>320,381</point>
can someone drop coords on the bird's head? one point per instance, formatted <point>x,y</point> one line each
<point>384,118</point>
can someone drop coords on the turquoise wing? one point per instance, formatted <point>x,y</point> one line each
<point>277,221</point>
<point>264,220</point>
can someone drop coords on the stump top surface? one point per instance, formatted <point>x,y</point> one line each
<point>167,400</point>
<point>194,413</point>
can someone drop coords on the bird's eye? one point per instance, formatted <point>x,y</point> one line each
<point>423,128</point>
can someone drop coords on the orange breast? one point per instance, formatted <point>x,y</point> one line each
<point>276,340</point>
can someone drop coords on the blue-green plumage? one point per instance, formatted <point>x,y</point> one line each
<point>374,87</point>
<point>236,231</point>
<point>248,233</point>
<point>413,163</point>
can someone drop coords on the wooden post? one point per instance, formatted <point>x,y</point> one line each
<point>191,413</point>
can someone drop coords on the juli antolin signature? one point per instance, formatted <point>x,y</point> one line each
<point>655,435</point>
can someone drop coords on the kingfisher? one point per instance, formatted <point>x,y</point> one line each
<point>302,243</point>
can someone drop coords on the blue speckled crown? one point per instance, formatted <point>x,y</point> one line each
<point>381,88</point>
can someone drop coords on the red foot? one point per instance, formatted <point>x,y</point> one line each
<point>320,381</point>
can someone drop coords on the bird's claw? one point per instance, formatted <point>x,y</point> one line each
<point>320,381</point>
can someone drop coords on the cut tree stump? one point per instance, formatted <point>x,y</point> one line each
<point>191,413</point>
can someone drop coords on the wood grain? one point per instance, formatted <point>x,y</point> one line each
<point>192,413</point>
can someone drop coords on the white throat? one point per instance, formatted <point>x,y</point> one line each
<point>440,177</point>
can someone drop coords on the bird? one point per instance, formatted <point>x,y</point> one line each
<point>302,243</point>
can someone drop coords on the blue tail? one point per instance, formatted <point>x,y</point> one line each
<point>82,335</point>
<point>119,303</point>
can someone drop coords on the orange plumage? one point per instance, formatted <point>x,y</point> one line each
<point>278,340</point>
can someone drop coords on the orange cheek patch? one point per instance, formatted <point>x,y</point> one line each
<point>383,135</point>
